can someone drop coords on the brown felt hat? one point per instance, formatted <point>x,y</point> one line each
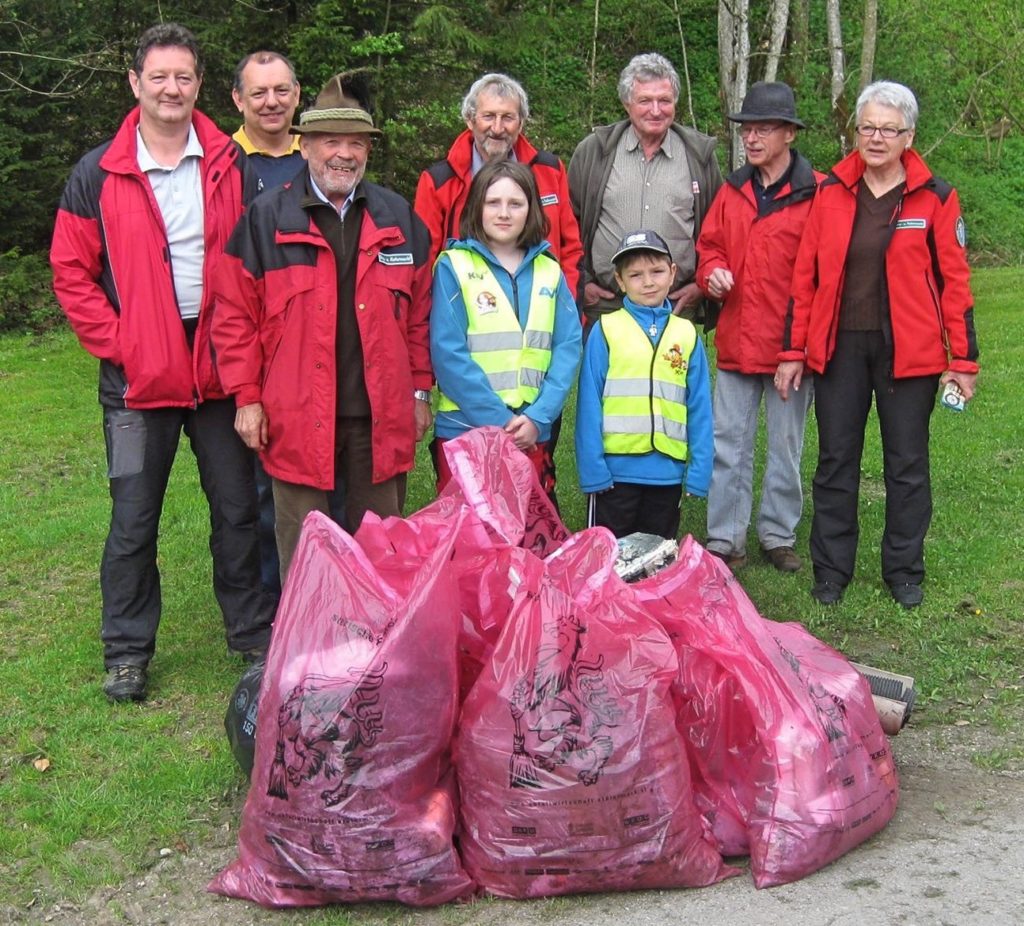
<point>340,109</point>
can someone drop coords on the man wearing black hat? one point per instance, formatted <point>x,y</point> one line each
<point>321,332</point>
<point>746,252</point>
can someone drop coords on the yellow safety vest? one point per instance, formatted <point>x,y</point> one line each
<point>514,360</point>
<point>644,405</point>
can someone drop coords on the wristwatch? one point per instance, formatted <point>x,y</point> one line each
<point>423,395</point>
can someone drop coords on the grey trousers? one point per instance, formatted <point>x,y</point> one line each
<point>737,403</point>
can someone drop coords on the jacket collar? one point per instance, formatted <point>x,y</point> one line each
<point>460,154</point>
<point>121,157</point>
<point>851,168</point>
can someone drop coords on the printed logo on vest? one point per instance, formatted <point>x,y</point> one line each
<point>961,232</point>
<point>549,199</point>
<point>405,258</point>
<point>676,360</point>
<point>486,303</point>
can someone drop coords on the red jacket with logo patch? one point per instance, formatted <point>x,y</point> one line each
<point>930,315</point>
<point>443,188</point>
<point>759,251</point>
<point>275,328</point>
<point>112,270</point>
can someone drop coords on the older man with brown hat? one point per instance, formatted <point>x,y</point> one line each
<point>323,301</point>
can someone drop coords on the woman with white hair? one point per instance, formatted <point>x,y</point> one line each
<point>881,306</point>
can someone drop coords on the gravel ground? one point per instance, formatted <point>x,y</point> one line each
<point>953,854</point>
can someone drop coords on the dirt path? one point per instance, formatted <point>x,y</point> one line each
<point>954,854</point>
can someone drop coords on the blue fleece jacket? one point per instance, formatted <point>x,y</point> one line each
<point>599,471</point>
<point>460,377</point>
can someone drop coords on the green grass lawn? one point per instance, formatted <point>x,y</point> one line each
<point>89,792</point>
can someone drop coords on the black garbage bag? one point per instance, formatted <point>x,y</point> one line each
<point>240,718</point>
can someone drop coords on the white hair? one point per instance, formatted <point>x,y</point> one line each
<point>891,94</point>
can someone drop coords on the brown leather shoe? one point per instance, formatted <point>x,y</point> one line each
<point>733,560</point>
<point>783,558</point>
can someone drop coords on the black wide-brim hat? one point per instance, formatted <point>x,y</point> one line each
<point>768,102</point>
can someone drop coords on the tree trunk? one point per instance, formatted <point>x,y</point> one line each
<point>593,58</point>
<point>686,64</point>
<point>837,61</point>
<point>733,64</point>
<point>867,51</point>
<point>800,50</point>
<point>779,18</point>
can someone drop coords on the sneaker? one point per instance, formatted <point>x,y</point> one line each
<point>827,593</point>
<point>125,683</point>
<point>783,558</point>
<point>907,594</point>
<point>733,560</point>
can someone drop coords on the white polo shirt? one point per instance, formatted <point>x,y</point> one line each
<point>179,194</point>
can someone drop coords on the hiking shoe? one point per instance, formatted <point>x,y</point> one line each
<point>907,594</point>
<point>733,560</point>
<point>125,683</point>
<point>827,593</point>
<point>783,558</point>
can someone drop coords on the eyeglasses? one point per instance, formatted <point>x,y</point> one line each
<point>761,131</point>
<point>886,131</point>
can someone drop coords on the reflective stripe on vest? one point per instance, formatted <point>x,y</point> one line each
<point>514,361</point>
<point>644,398</point>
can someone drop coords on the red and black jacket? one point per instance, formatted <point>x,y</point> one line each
<point>444,187</point>
<point>928,310</point>
<point>112,270</point>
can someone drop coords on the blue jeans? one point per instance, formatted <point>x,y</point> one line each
<point>737,403</point>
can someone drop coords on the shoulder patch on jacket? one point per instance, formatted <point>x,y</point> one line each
<point>440,172</point>
<point>546,159</point>
<point>940,188</point>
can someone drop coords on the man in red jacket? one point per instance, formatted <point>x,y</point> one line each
<point>142,221</point>
<point>745,254</point>
<point>495,110</point>
<point>323,301</point>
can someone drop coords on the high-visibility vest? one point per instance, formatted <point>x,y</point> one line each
<point>515,360</point>
<point>644,402</point>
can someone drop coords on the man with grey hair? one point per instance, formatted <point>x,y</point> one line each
<point>495,110</point>
<point>646,171</point>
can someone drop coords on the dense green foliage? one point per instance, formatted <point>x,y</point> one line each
<point>63,86</point>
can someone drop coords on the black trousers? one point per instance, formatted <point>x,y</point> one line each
<point>859,369</point>
<point>141,445</point>
<point>629,507</point>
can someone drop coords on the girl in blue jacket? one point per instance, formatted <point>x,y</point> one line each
<point>505,335</point>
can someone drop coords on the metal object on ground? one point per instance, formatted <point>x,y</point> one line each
<point>893,694</point>
<point>642,555</point>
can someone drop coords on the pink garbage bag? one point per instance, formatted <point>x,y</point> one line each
<point>790,761</point>
<point>572,775</point>
<point>500,486</point>
<point>352,794</point>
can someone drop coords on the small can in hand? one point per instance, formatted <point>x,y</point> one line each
<point>952,398</point>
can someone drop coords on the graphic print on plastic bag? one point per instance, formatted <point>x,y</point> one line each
<point>563,704</point>
<point>327,723</point>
